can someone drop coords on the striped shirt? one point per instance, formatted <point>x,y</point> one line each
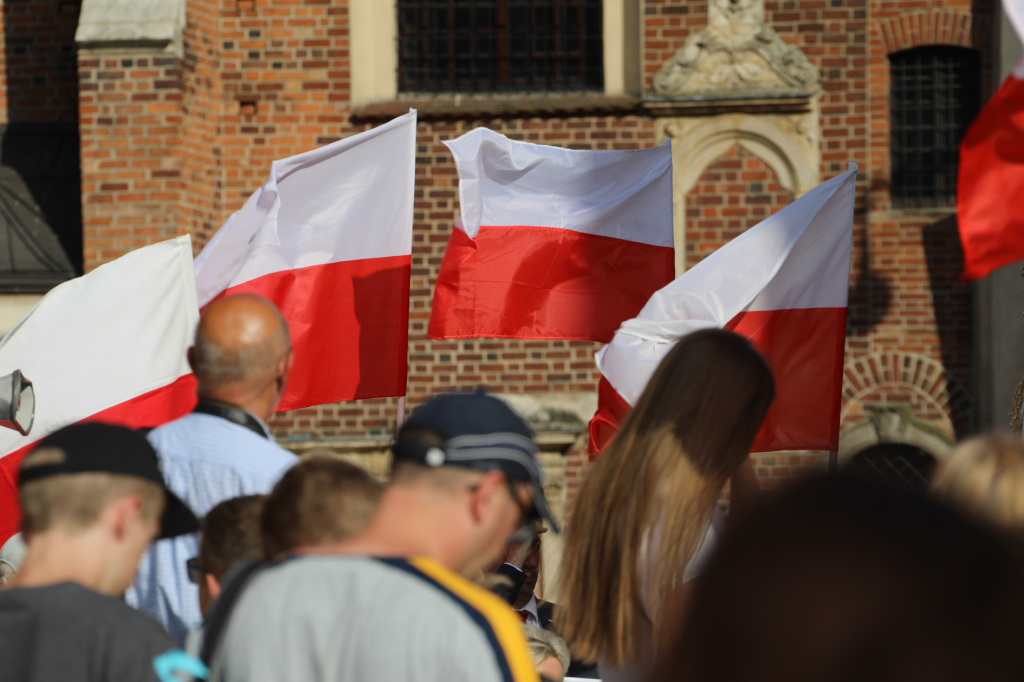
<point>205,460</point>
<point>350,619</point>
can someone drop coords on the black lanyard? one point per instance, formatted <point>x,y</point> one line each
<point>233,414</point>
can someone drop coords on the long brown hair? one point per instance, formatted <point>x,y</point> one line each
<point>690,430</point>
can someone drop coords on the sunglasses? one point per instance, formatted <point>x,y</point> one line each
<point>195,571</point>
<point>529,516</point>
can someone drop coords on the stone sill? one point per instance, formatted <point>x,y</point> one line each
<point>473,107</point>
<point>664,107</point>
<point>547,441</point>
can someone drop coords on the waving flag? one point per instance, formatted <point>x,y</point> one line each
<point>553,243</point>
<point>328,239</point>
<point>991,176</point>
<point>109,346</point>
<point>783,284</point>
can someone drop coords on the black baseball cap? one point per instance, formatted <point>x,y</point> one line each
<point>478,432</point>
<point>109,449</point>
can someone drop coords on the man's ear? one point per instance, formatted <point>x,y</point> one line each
<point>486,494</point>
<point>212,586</point>
<point>284,368</point>
<point>122,512</point>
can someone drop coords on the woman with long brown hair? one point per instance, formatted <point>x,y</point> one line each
<point>646,506</point>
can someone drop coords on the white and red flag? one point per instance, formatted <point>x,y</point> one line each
<point>109,346</point>
<point>328,239</point>
<point>783,284</point>
<point>991,176</point>
<point>552,243</point>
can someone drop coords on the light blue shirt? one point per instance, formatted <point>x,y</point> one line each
<point>205,460</point>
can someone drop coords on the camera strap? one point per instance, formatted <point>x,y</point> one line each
<point>232,414</point>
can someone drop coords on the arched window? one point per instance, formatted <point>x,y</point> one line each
<point>935,96</point>
<point>487,46</point>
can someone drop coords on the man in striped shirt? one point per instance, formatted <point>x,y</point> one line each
<point>394,602</point>
<point>223,449</point>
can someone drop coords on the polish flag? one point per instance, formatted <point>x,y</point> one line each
<point>783,284</point>
<point>552,243</point>
<point>109,346</point>
<point>991,176</point>
<point>328,239</point>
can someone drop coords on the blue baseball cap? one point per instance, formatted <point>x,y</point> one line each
<point>478,432</point>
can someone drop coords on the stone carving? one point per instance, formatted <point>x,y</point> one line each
<point>736,54</point>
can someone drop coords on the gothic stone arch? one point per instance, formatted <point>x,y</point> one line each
<point>788,143</point>
<point>901,397</point>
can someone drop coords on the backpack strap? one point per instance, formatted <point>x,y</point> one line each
<point>231,589</point>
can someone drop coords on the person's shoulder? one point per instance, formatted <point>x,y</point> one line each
<point>219,442</point>
<point>480,610</point>
<point>72,603</point>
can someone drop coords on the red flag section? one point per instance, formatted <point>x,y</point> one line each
<point>110,347</point>
<point>553,243</point>
<point>328,239</point>
<point>536,282</point>
<point>991,182</point>
<point>782,284</point>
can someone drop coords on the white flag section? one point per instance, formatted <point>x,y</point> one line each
<point>108,346</point>
<point>783,284</point>
<point>328,239</point>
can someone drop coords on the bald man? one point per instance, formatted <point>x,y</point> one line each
<point>241,359</point>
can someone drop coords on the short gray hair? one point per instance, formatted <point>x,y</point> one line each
<point>543,644</point>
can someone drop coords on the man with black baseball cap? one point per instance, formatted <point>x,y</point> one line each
<point>92,500</point>
<point>393,602</point>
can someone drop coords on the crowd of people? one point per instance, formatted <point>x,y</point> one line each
<point>203,550</point>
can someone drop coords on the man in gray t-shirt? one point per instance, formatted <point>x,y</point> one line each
<point>393,602</point>
<point>92,500</point>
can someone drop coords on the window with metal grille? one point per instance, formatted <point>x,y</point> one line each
<point>902,466</point>
<point>935,96</point>
<point>477,46</point>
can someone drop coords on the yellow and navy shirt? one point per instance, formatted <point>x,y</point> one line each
<point>349,618</point>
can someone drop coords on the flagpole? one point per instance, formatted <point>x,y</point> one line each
<point>400,419</point>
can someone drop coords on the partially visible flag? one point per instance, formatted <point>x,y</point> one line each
<point>328,239</point>
<point>552,243</point>
<point>991,176</point>
<point>109,346</point>
<point>783,284</point>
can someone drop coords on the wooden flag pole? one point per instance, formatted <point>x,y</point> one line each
<point>400,419</point>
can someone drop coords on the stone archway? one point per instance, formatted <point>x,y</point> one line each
<point>787,143</point>
<point>925,396</point>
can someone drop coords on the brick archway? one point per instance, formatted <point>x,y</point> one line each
<point>917,381</point>
<point>930,28</point>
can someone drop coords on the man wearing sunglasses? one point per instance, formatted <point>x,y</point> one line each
<point>395,601</point>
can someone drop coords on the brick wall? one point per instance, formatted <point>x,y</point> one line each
<point>735,193</point>
<point>130,108</point>
<point>40,80</point>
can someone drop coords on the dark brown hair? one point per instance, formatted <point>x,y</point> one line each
<point>692,427</point>
<point>320,500</point>
<point>841,579</point>
<point>231,533</point>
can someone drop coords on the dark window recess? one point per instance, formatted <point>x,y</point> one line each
<point>902,466</point>
<point>935,95</point>
<point>473,46</point>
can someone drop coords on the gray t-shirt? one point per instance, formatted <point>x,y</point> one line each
<point>68,633</point>
<point>354,619</point>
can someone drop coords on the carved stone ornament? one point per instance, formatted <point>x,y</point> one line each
<point>737,54</point>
